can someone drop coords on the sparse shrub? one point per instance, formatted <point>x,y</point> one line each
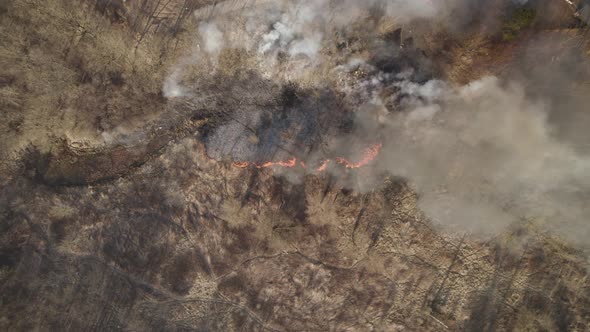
<point>518,20</point>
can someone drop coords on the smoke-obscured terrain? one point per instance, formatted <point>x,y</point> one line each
<point>295,165</point>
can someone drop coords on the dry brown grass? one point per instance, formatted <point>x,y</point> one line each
<point>70,71</point>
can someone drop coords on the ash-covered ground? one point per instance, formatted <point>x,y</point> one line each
<point>439,175</point>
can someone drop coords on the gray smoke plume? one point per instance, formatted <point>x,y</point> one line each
<point>483,156</point>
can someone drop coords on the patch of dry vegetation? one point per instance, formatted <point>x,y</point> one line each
<point>69,70</point>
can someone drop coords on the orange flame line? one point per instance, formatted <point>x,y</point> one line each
<point>369,155</point>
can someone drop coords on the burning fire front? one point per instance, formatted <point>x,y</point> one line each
<point>369,154</point>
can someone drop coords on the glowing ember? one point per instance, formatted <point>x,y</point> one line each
<point>241,164</point>
<point>323,166</point>
<point>368,155</point>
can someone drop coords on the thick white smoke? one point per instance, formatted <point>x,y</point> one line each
<point>172,87</point>
<point>294,28</point>
<point>295,31</point>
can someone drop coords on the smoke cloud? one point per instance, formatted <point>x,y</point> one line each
<point>481,156</point>
<point>212,37</point>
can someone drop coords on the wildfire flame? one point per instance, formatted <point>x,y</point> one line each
<point>369,154</point>
<point>323,166</point>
